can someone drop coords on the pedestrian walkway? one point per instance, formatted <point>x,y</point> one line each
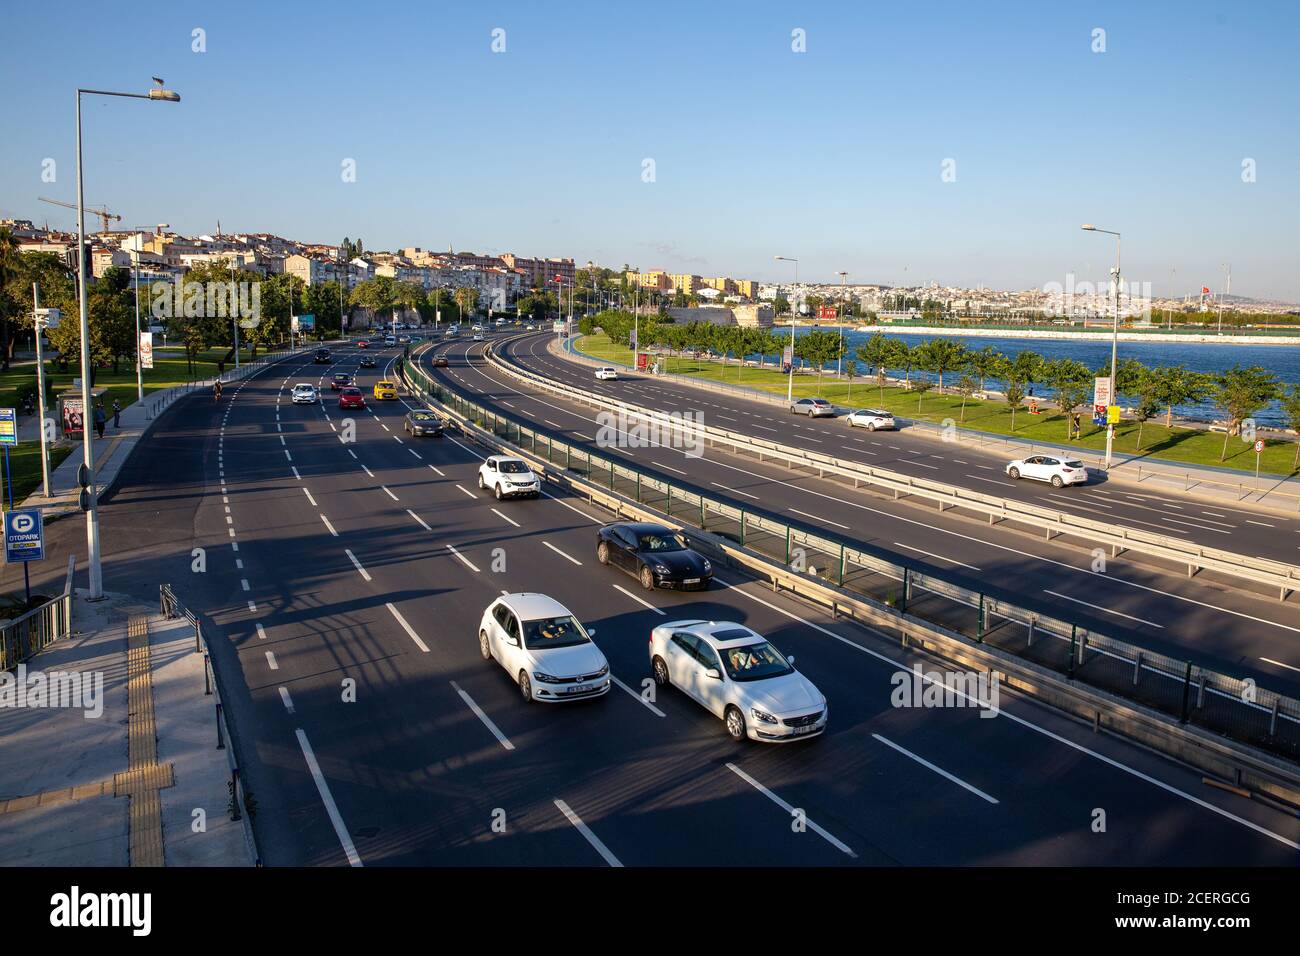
<point>120,779</point>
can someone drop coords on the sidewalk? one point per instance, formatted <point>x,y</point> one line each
<point>1275,493</point>
<point>112,451</point>
<point>120,788</point>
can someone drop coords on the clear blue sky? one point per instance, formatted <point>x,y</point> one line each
<point>833,155</point>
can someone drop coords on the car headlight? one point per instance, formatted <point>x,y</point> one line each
<point>603,671</point>
<point>707,565</point>
<point>761,716</point>
<point>660,569</point>
<point>545,678</point>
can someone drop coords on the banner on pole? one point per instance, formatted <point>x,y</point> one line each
<point>146,350</point>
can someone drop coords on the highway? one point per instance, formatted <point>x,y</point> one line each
<point>1213,624</point>
<point>342,587</point>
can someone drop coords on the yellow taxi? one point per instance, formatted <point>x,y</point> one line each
<point>386,390</point>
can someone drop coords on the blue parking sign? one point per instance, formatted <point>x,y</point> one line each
<point>24,536</point>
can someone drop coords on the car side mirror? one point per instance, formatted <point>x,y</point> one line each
<point>790,658</point>
<point>714,673</point>
<point>591,632</point>
<point>512,641</point>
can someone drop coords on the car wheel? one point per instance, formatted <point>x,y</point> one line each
<point>1014,473</point>
<point>480,482</point>
<point>660,671</point>
<point>735,721</point>
<point>497,491</point>
<point>647,578</point>
<point>525,686</point>
<point>602,553</point>
<point>483,647</point>
<point>850,421</point>
<point>1056,481</point>
<point>871,427</point>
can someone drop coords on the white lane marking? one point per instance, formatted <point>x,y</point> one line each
<point>327,798</point>
<point>398,440</point>
<point>468,492</point>
<point>252,607</point>
<point>1098,607</point>
<point>368,471</point>
<point>310,498</point>
<point>287,455</point>
<point>464,560</point>
<point>505,517</point>
<point>817,518</point>
<point>353,454</point>
<point>562,554</point>
<point>659,464</point>
<point>1030,725</point>
<point>328,525</point>
<point>639,600</point>
<point>1269,660</point>
<point>261,632</point>
<point>286,699</point>
<point>419,519</point>
<point>357,564</point>
<point>734,491</point>
<point>416,453</point>
<point>487,721</point>
<point>410,631</point>
<point>1262,524</point>
<point>939,770</point>
<point>384,427</point>
<point>651,707</point>
<point>389,493</point>
<point>937,557</point>
<point>243,582</point>
<point>1213,514</point>
<point>437,472</point>
<point>790,810</point>
<point>591,838</point>
<point>271,662</point>
<point>295,473</point>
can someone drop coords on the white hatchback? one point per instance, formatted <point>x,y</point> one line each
<point>508,477</point>
<point>547,653</point>
<point>738,676</point>
<point>1049,468</point>
<point>871,419</point>
<point>607,374</point>
<point>304,394</point>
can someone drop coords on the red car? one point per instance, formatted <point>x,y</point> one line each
<point>363,344</point>
<point>340,380</point>
<point>351,397</point>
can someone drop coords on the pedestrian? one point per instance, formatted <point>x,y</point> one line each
<point>101,419</point>
<point>117,414</point>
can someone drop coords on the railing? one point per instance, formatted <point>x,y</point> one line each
<point>1180,689</point>
<point>1256,570</point>
<point>38,628</point>
<point>1268,486</point>
<point>240,799</point>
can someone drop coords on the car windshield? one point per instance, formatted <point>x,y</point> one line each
<point>512,467</point>
<point>754,662</point>
<point>659,541</point>
<point>304,388</point>
<point>553,632</point>
<point>422,416</point>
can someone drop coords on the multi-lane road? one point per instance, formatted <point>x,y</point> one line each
<point>343,582</point>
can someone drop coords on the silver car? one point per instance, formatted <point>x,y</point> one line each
<point>305,394</point>
<point>813,408</point>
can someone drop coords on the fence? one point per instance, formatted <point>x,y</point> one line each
<point>171,609</point>
<point>1181,689</point>
<point>1253,570</point>
<point>24,636</point>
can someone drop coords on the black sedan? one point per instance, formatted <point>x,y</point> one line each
<point>322,357</point>
<point>657,556</point>
<point>367,361</point>
<point>440,361</point>
<point>419,422</point>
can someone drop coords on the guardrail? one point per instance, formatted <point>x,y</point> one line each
<point>1185,480</point>
<point>1051,523</point>
<point>1092,672</point>
<point>38,628</point>
<point>240,799</point>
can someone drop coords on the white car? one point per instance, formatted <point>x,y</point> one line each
<point>607,374</point>
<point>738,676</point>
<point>507,477</point>
<point>476,328</point>
<point>543,648</point>
<point>871,419</point>
<point>478,336</point>
<point>1058,471</point>
<point>305,394</point>
<point>390,340</point>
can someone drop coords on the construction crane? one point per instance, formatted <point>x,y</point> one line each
<point>102,212</point>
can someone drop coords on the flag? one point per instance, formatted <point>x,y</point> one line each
<point>1205,290</point>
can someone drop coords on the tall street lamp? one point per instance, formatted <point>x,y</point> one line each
<point>839,364</point>
<point>1114,344</point>
<point>87,413</point>
<point>789,391</point>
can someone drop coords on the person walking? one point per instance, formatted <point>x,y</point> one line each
<point>101,418</point>
<point>117,414</point>
<point>216,390</point>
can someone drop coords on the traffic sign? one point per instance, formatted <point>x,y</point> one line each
<point>1112,414</point>
<point>24,536</point>
<point>1259,445</point>
<point>8,426</point>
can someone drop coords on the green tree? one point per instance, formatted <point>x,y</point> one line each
<point>939,356</point>
<point>1290,401</point>
<point>1240,393</point>
<point>1176,385</point>
<point>920,385</point>
<point>875,353</point>
<point>1071,381</point>
<point>966,387</point>
<point>985,362</point>
<point>466,300</point>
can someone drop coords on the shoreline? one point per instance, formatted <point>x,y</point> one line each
<point>1068,335</point>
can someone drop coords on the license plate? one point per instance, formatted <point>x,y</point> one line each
<point>580,689</point>
<point>690,580</point>
<point>803,730</point>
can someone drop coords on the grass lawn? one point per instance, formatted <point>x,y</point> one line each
<point>1185,445</point>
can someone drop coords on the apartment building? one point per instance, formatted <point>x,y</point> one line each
<point>540,272</point>
<point>687,283</point>
<point>655,279</point>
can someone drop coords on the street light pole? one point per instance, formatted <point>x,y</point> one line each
<point>95,572</point>
<point>789,391</point>
<point>1114,345</point>
<point>839,364</point>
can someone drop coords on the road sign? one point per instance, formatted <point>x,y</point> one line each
<point>24,536</point>
<point>306,323</point>
<point>8,426</point>
<point>1112,414</point>
<point>1101,391</point>
<point>1259,445</point>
